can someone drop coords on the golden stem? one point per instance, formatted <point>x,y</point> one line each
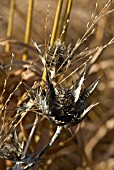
<point>66,17</point>
<point>10,23</point>
<point>44,76</point>
<point>56,21</point>
<point>28,27</point>
<point>64,20</point>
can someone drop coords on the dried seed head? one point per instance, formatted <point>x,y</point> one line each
<point>56,55</point>
<point>64,105</point>
<point>10,152</point>
<point>10,148</point>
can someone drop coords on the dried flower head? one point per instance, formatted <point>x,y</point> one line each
<point>11,150</point>
<point>63,105</point>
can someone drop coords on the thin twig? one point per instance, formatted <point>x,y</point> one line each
<point>31,134</point>
<point>18,164</point>
<point>56,21</point>
<point>58,131</point>
<point>10,23</point>
<point>28,27</point>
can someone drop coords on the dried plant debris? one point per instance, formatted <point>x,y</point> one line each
<point>64,103</point>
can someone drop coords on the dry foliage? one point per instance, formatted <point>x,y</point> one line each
<point>90,144</point>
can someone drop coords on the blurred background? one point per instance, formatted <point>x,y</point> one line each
<point>92,146</point>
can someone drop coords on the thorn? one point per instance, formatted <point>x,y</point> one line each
<point>92,87</point>
<point>39,52</point>
<point>79,83</point>
<point>88,109</point>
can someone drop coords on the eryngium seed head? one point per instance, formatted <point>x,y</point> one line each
<point>11,151</point>
<point>56,55</point>
<point>64,106</point>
